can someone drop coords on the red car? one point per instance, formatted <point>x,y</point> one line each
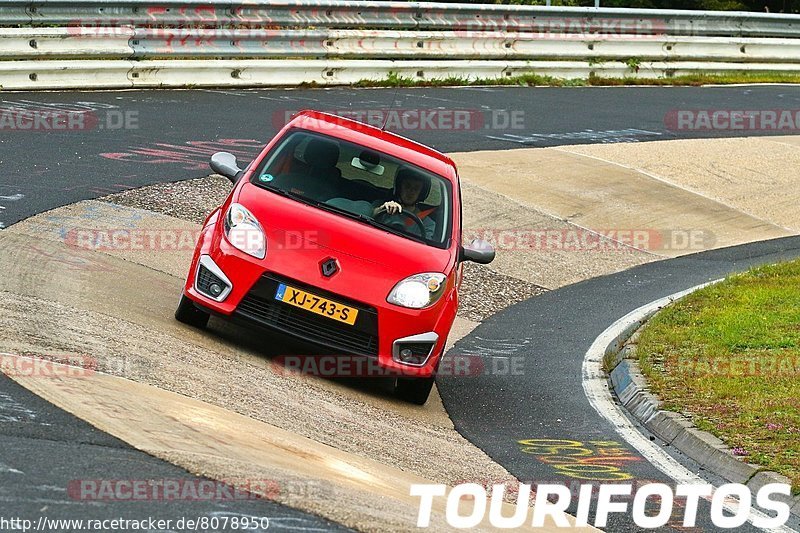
<point>343,236</point>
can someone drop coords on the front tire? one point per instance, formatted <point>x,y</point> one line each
<point>189,314</point>
<point>414,390</point>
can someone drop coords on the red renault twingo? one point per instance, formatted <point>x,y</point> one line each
<point>343,236</point>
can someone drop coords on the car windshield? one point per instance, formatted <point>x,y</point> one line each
<point>355,181</point>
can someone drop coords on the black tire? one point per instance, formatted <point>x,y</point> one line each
<point>414,390</point>
<point>189,314</point>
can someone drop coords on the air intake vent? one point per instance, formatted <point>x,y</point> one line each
<point>209,284</point>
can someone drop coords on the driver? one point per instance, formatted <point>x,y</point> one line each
<point>410,188</point>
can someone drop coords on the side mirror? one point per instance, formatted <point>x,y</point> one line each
<point>225,163</point>
<point>478,251</point>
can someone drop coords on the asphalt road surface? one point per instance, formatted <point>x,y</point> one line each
<point>112,141</point>
<point>540,399</point>
<point>56,467</point>
<point>59,148</point>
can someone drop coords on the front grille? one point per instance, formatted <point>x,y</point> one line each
<point>204,280</point>
<point>261,306</point>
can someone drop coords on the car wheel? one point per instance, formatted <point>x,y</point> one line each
<point>414,390</point>
<point>189,314</point>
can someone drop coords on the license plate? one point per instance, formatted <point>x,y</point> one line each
<point>316,304</point>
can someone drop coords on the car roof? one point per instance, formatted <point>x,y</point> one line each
<point>376,139</point>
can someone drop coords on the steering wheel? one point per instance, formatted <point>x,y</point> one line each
<point>414,218</point>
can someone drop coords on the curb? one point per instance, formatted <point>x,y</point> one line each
<point>630,387</point>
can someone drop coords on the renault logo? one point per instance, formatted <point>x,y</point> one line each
<point>329,267</point>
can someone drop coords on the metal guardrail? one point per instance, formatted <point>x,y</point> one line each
<point>132,43</point>
<point>285,14</point>
<point>58,43</point>
<point>100,74</point>
<point>147,43</point>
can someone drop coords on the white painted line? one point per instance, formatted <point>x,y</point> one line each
<point>595,385</point>
<point>226,93</point>
<point>601,137</point>
<point>13,411</point>
<point>4,469</point>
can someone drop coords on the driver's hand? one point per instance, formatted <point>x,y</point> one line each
<point>390,207</point>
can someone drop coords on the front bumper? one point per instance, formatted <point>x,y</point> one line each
<point>382,330</point>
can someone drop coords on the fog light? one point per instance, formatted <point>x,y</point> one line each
<point>414,350</point>
<point>215,289</point>
<point>211,281</point>
<point>415,353</point>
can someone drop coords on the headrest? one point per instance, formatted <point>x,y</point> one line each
<point>322,153</point>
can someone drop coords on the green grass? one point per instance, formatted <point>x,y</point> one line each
<point>696,80</point>
<point>531,79</point>
<point>729,357</point>
<point>396,80</point>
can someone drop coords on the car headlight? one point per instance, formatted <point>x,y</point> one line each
<point>244,232</point>
<point>418,291</point>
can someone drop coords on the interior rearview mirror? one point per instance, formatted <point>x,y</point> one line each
<point>478,251</point>
<point>369,161</point>
<point>225,163</point>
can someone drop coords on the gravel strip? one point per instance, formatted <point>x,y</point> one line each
<point>484,291</point>
<point>189,200</point>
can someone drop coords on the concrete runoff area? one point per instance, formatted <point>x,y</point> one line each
<point>756,175</point>
<point>605,197</point>
<point>116,306</point>
<point>509,223</point>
